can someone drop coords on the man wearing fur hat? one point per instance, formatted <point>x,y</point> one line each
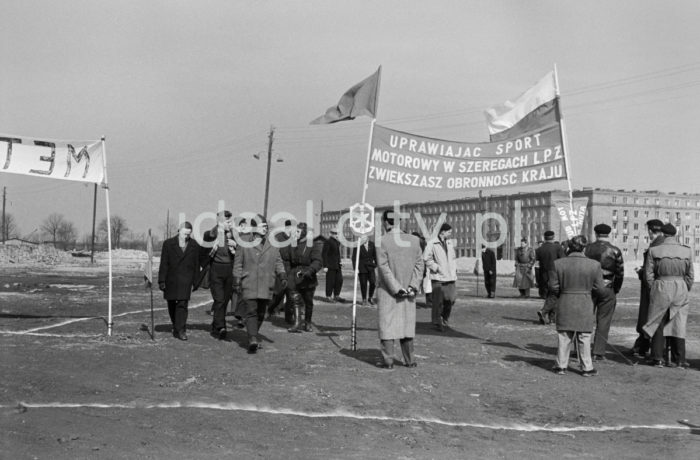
<point>610,258</point>
<point>643,344</point>
<point>254,269</point>
<point>669,272</point>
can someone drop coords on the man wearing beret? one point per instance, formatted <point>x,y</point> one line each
<point>610,258</point>
<point>643,343</point>
<point>669,272</point>
<point>546,255</point>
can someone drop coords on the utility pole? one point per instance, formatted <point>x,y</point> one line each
<point>167,225</point>
<point>4,219</point>
<point>269,165</point>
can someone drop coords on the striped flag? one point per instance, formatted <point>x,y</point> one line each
<point>534,109</point>
<point>359,100</point>
<point>148,266</point>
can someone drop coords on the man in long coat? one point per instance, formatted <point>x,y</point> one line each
<point>643,343</point>
<point>546,255</point>
<point>331,262</point>
<point>669,272</point>
<point>524,261</point>
<point>488,263</point>
<point>400,268</point>
<point>180,261</point>
<point>255,266</point>
<point>575,280</point>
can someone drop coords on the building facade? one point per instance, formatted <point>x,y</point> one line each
<point>507,218</point>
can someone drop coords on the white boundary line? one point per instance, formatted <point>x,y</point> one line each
<point>75,320</point>
<point>348,415</point>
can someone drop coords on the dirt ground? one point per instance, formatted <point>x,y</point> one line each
<point>482,389</point>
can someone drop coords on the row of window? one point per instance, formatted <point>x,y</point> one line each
<point>645,213</point>
<point>657,201</point>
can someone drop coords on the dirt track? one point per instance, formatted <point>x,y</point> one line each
<point>481,390</point>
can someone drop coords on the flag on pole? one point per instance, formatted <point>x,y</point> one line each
<point>148,267</point>
<point>359,100</point>
<point>532,110</point>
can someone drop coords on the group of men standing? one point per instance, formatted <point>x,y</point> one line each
<point>592,275</point>
<point>579,286</point>
<point>243,267</point>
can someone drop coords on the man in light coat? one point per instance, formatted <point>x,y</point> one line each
<point>669,272</point>
<point>254,269</point>
<point>642,344</point>
<point>440,260</point>
<point>400,270</point>
<point>575,280</point>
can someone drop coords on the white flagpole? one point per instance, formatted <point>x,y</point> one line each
<point>353,329</point>
<point>109,239</point>
<point>565,148</point>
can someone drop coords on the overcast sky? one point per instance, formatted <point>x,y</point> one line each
<point>186,92</point>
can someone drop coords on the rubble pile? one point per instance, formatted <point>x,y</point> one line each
<point>43,254</point>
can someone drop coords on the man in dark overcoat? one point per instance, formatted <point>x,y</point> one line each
<point>669,272</point>
<point>180,261</point>
<point>643,343</point>
<point>488,262</point>
<point>610,258</point>
<point>546,255</point>
<point>366,268</point>
<point>331,262</point>
<point>575,280</point>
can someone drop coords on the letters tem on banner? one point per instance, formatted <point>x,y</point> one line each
<point>76,161</point>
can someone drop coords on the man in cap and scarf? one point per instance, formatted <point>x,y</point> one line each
<point>610,258</point>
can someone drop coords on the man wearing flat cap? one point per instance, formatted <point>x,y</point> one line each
<point>610,258</point>
<point>643,343</point>
<point>546,255</point>
<point>669,272</point>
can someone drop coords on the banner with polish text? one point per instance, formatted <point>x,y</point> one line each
<point>572,219</point>
<point>401,158</point>
<point>81,161</point>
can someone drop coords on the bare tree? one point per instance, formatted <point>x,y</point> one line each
<point>8,227</point>
<point>67,234</point>
<point>52,225</point>
<point>119,228</point>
